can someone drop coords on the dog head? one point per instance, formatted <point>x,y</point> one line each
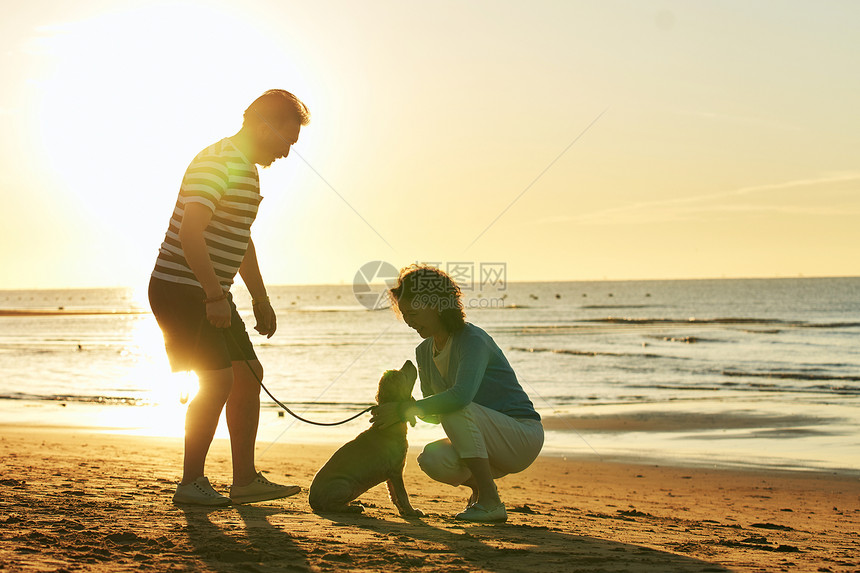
<point>397,385</point>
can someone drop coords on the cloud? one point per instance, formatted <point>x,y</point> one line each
<point>738,119</point>
<point>686,208</point>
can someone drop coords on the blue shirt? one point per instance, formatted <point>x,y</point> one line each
<point>477,372</point>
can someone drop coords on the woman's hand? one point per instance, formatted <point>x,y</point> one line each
<point>267,322</point>
<point>385,415</point>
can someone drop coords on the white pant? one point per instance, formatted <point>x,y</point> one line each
<point>510,444</point>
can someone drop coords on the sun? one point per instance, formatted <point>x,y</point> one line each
<point>126,100</point>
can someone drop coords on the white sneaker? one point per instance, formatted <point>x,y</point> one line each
<point>261,489</point>
<point>199,492</point>
<point>479,513</point>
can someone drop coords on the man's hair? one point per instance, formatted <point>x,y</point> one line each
<point>426,286</point>
<point>275,107</point>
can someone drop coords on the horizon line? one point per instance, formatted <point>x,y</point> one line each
<point>601,280</point>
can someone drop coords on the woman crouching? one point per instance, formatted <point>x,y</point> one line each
<point>470,388</point>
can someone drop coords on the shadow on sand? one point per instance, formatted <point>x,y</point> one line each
<point>454,546</point>
<point>241,538</point>
<point>244,538</point>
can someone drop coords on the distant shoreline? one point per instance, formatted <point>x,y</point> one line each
<point>69,312</point>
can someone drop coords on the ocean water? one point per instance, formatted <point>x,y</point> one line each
<point>726,372</point>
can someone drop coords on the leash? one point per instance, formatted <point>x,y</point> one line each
<point>296,416</point>
<point>285,408</point>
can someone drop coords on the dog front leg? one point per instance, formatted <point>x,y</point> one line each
<point>397,492</point>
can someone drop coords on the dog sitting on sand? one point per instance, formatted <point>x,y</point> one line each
<point>374,456</point>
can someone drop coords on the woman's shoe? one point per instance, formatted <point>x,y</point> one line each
<point>199,492</point>
<point>478,513</point>
<point>261,489</point>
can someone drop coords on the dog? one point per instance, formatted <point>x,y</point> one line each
<point>374,456</point>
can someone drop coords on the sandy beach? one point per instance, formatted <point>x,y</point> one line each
<point>77,500</point>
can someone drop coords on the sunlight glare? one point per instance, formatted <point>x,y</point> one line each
<point>129,97</point>
<point>164,394</point>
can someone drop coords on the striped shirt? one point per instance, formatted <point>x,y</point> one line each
<point>222,179</point>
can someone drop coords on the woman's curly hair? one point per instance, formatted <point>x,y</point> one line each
<point>426,286</point>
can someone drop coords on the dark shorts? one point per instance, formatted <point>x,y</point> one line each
<point>191,342</point>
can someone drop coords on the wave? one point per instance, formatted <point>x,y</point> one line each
<point>321,309</point>
<point>61,311</point>
<point>753,387</point>
<point>136,401</point>
<point>791,375</point>
<point>683,339</point>
<point>106,400</point>
<point>328,406</point>
<point>726,320</point>
<point>594,353</point>
<point>613,306</point>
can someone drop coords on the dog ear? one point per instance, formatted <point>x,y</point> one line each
<point>383,392</point>
<point>408,369</point>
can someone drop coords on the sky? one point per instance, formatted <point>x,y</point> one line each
<point>569,140</point>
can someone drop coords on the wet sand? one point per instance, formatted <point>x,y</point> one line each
<point>662,421</point>
<point>76,500</point>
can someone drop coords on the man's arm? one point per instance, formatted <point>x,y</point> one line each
<point>194,221</point>
<point>249,270</point>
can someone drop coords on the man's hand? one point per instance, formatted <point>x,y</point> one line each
<point>218,313</point>
<point>249,270</point>
<point>267,322</point>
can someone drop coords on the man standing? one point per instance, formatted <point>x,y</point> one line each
<point>207,242</point>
